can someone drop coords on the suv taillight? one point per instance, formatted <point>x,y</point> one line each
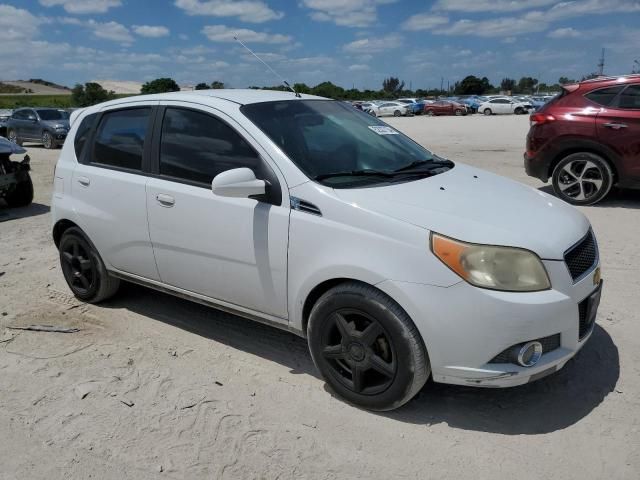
<point>541,119</point>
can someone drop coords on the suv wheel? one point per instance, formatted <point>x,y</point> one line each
<point>487,111</point>
<point>83,268</point>
<point>13,137</point>
<point>582,178</point>
<point>21,195</point>
<point>366,347</point>
<point>48,141</point>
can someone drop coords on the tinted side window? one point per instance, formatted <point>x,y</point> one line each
<point>196,147</point>
<point>120,138</point>
<point>19,115</point>
<point>630,98</point>
<point>83,132</point>
<point>604,96</point>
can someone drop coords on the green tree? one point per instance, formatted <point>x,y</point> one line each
<point>565,80</point>
<point>301,88</point>
<point>202,86</point>
<point>329,90</point>
<point>508,84</point>
<point>89,94</point>
<point>160,85</point>
<point>472,85</point>
<point>527,85</point>
<point>392,85</point>
<point>216,85</point>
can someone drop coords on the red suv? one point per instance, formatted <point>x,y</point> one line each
<point>587,139</point>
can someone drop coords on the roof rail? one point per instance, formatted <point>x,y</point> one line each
<point>610,77</point>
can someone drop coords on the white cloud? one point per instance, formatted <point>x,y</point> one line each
<point>495,27</point>
<point>151,31</point>
<point>252,11</point>
<point>17,24</point>
<point>567,32</point>
<point>358,67</point>
<point>113,31</point>
<point>590,7</point>
<point>222,33</point>
<point>346,13</point>
<point>424,21</point>
<point>374,45</point>
<point>83,6</point>
<point>490,5</point>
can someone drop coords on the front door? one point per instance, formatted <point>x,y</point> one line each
<point>233,250</point>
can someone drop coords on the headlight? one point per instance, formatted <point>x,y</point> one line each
<point>497,268</point>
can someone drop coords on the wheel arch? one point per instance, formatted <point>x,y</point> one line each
<point>62,226</point>
<point>586,147</point>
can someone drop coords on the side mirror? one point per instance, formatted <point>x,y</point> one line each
<point>32,118</point>
<point>238,183</point>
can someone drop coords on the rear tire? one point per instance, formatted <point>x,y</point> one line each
<point>83,269</point>
<point>366,347</point>
<point>458,113</point>
<point>430,113</point>
<point>487,112</point>
<point>397,113</point>
<point>22,195</point>
<point>582,178</point>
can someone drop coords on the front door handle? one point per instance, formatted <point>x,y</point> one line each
<point>165,200</point>
<point>84,181</point>
<point>615,126</point>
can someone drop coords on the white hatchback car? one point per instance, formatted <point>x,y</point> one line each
<point>499,106</point>
<point>309,215</point>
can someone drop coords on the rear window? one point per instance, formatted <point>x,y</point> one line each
<point>51,115</point>
<point>120,138</point>
<point>604,96</point>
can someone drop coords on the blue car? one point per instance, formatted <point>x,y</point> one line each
<point>415,106</point>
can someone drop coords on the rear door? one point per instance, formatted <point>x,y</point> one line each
<point>618,127</point>
<point>31,128</point>
<point>109,189</point>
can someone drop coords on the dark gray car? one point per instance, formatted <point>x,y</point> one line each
<point>48,126</point>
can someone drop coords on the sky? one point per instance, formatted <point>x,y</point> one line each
<point>353,43</point>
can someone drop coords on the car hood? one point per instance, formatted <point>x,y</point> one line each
<point>53,123</point>
<point>476,206</point>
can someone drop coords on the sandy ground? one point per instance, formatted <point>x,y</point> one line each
<point>154,386</point>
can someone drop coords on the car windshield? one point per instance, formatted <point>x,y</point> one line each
<point>51,115</point>
<point>324,138</point>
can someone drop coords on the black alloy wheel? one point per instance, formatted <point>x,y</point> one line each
<point>359,352</point>
<point>366,347</point>
<point>83,269</point>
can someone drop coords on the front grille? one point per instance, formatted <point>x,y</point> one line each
<point>582,257</point>
<point>549,344</point>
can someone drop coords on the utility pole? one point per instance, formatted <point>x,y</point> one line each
<point>601,64</point>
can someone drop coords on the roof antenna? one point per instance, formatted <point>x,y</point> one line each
<point>284,82</point>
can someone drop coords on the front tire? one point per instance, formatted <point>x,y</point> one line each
<point>83,269</point>
<point>397,113</point>
<point>519,111</point>
<point>458,113</point>
<point>366,347</point>
<point>487,112</point>
<point>582,178</point>
<point>48,141</point>
<point>22,194</point>
<point>13,137</point>
<point>430,113</point>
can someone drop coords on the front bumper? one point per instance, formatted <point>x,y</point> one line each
<point>464,327</point>
<point>59,135</point>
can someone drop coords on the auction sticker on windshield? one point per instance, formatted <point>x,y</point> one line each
<point>382,130</point>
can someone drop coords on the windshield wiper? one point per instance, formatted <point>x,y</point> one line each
<point>356,173</point>
<point>431,164</point>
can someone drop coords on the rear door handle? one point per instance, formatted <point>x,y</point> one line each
<point>165,200</point>
<point>615,126</point>
<point>84,181</point>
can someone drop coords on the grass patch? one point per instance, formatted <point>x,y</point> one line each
<point>57,101</point>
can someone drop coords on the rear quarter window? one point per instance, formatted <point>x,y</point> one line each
<point>83,133</point>
<point>604,96</point>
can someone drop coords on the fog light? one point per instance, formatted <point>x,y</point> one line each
<point>529,354</point>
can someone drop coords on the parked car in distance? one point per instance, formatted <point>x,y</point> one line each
<point>445,107</point>
<point>16,188</point>
<point>48,126</point>
<point>587,139</point>
<point>4,118</point>
<point>384,109</point>
<point>415,106</point>
<point>395,264</point>
<point>500,106</point>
